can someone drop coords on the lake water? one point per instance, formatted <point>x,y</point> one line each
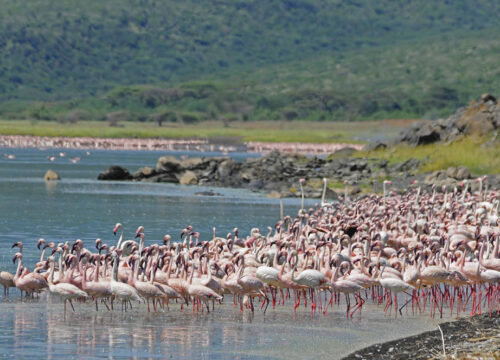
<point>81,207</point>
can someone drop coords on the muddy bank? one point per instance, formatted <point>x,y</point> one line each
<point>476,337</point>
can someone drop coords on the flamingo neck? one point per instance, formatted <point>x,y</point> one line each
<point>323,194</point>
<point>120,239</point>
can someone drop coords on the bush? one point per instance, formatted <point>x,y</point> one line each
<point>74,116</point>
<point>113,118</point>
<point>188,118</point>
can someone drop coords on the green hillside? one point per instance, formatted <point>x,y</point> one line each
<point>240,59</point>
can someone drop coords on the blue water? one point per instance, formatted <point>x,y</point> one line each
<point>79,206</point>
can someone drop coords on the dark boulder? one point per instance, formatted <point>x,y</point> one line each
<point>427,134</point>
<point>115,172</point>
<point>168,163</point>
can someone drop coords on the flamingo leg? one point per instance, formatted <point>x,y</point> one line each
<point>71,303</point>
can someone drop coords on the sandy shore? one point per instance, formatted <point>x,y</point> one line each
<point>88,143</point>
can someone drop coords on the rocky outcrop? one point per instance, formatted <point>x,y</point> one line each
<point>451,178</point>
<point>51,175</point>
<point>275,173</point>
<point>479,118</point>
<point>115,172</point>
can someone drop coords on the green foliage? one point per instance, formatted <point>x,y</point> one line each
<point>245,59</point>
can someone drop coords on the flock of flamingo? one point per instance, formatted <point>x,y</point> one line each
<point>438,250</point>
<point>151,144</point>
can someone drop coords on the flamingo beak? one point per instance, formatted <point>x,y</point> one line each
<point>114,232</point>
<point>14,245</point>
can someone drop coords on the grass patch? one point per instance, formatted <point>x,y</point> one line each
<point>466,152</point>
<point>266,131</point>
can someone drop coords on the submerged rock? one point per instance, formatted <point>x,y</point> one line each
<point>51,175</point>
<point>207,193</point>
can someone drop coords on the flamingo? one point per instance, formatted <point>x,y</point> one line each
<point>147,290</point>
<point>347,287</point>
<point>65,291</point>
<point>127,245</point>
<point>395,286</point>
<point>311,278</point>
<point>7,281</point>
<point>98,289</point>
<point>200,292</point>
<point>28,282</point>
<point>124,292</point>
<point>251,285</point>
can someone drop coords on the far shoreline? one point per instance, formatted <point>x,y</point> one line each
<point>162,144</point>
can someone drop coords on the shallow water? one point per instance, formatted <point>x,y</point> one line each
<point>34,328</point>
<point>81,207</point>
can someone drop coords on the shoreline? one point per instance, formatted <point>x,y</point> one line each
<point>464,338</point>
<point>152,144</point>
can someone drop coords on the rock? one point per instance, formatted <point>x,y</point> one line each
<point>353,190</point>
<point>434,177</point>
<point>168,163</point>
<point>427,134</point>
<point>460,173</point>
<point>477,120</point>
<point>463,173</point>
<point>452,172</point>
<point>408,165</point>
<point>115,172</point>
<point>225,169</point>
<point>144,172</point>
<point>480,118</point>
<point>163,177</point>
<point>188,178</point>
<point>343,153</point>
<point>487,97</point>
<point>330,194</point>
<point>247,174</point>
<point>274,194</point>
<point>192,163</point>
<point>51,175</point>
<point>376,145</point>
<point>207,193</point>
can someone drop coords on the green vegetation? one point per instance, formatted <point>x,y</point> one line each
<point>239,60</point>
<point>267,131</point>
<point>469,152</point>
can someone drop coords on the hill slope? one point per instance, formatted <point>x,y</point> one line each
<point>272,53</point>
